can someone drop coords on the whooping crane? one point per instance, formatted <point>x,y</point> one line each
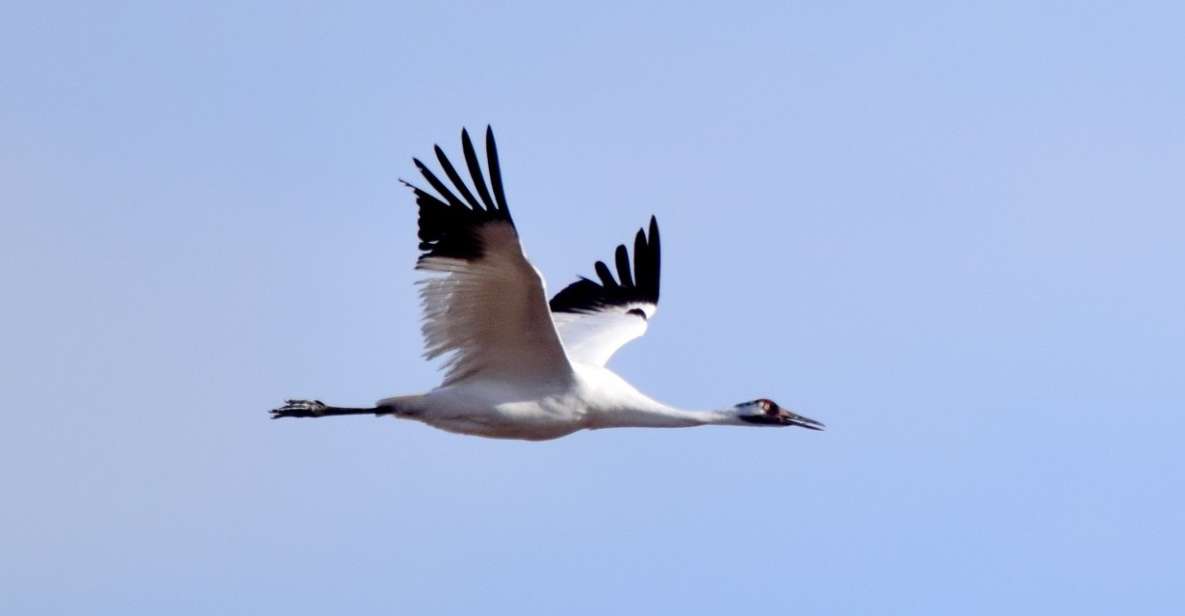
<point>518,366</point>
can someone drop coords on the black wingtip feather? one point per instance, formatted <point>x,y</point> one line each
<point>495,170</point>
<point>475,172</point>
<point>455,178</point>
<point>623,265</point>
<point>448,226</point>
<point>584,295</point>
<point>605,274</point>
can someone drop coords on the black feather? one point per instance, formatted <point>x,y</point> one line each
<point>585,295</point>
<point>475,170</point>
<point>605,275</point>
<point>456,178</point>
<point>495,170</point>
<point>623,265</point>
<point>450,227</point>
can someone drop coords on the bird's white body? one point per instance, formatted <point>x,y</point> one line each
<point>595,398</point>
<point>519,366</point>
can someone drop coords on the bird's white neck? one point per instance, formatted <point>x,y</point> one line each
<point>616,404</point>
<point>657,415</point>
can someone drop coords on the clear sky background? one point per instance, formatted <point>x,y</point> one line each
<point>953,233</point>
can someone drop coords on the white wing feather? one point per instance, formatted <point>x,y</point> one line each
<point>490,315</point>
<point>593,337</point>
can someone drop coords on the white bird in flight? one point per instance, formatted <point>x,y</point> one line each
<point>519,366</point>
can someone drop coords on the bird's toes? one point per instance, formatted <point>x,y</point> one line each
<point>299,408</point>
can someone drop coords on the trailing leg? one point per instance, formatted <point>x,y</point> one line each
<point>316,408</point>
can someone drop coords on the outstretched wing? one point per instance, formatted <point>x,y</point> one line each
<point>486,306</point>
<point>594,320</point>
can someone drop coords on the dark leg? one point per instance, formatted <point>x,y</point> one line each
<point>316,408</point>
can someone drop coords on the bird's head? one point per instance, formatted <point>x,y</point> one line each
<point>765,412</point>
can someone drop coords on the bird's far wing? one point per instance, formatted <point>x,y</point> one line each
<point>594,319</point>
<point>486,306</point>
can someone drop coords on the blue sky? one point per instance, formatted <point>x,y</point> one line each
<point>953,233</point>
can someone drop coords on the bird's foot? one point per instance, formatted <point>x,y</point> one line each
<point>300,408</point>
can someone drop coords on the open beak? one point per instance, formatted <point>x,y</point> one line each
<point>790,419</point>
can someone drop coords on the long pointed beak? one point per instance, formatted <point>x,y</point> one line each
<point>792,419</point>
